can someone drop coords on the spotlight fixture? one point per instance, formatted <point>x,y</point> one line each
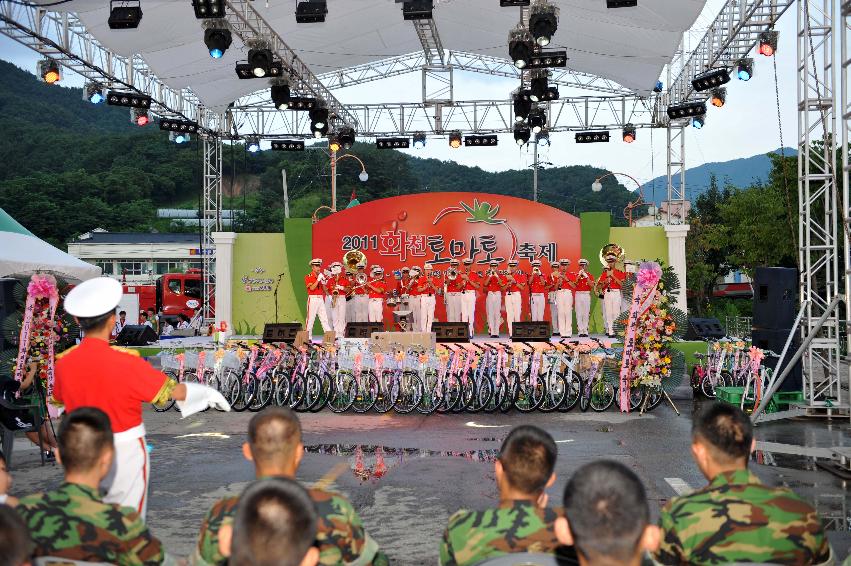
<point>48,70</point>
<point>184,126</point>
<point>629,133</point>
<point>543,23</point>
<point>488,140</point>
<point>139,116</point>
<point>417,9</point>
<point>551,94</point>
<point>320,132</point>
<point>209,8</point>
<point>126,15</point>
<point>543,138</point>
<point>659,87</point>
<point>686,110</point>
<point>597,136</point>
<point>537,120</point>
<point>538,88</point>
<point>522,106</point>
<point>93,92</point>
<point>768,43</point>
<point>392,143</point>
<point>455,139</point>
<point>131,99</point>
<point>246,70</point>
<point>520,47</point>
<point>252,144</point>
<point>280,95</point>
<point>718,97</point>
<point>334,143</point>
<point>621,3</point>
<point>513,3</point>
<point>419,140</point>
<point>521,134</point>
<point>288,145</point>
<point>302,103</point>
<point>179,137</point>
<point>261,61</point>
<point>311,11</point>
<point>347,137</point>
<point>710,79</point>
<point>544,59</point>
<point>217,41</point>
<point>744,69</point>
<point>318,118</point>
<point>699,121</point>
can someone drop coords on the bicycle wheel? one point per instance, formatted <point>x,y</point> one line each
<point>432,396</point>
<point>529,397</point>
<point>321,394</point>
<point>226,381</point>
<point>265,392</point>
<point>166,405</point>
<point>485,395</point>
<point>602,395</point>
<point>468,395</point>
<point>509,391</point>
<point>571,397</point>
<point>298,390</point>
<point>387,389</point>
<point>707,388</point>
<point>555,395</point>
<point>410,392</point>
<point>584,395</point>
<point>236,396</point>
<point>343,392</point>
<point>367,392</point>
<point>282,389</point>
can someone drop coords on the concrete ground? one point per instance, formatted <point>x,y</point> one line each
<point>406,474</point>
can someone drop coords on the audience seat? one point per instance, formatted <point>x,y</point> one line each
<point>7,436</point>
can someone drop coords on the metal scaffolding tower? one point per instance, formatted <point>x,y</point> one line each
<point>844,28</point>
<point>211,220</point>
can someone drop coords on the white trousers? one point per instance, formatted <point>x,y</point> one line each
<point>453,307</point>
<point>338,314</point>
<point>360,303</point>
<point>127,481</point>
<point>415,303</point>
<point>537,302</point>
<point>376,310</point>
<point>564,299</point>
<point>551,296</point>
<point>493,306</point>
<point>582,304</point>
<point>611,308</point>
<point>468,309</point>
<point>316,307</point>
<point>427,304</point>
<point>513,309</point>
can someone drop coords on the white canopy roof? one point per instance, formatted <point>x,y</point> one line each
<point>627,45</point>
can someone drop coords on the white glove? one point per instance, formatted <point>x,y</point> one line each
<point>200,397</point>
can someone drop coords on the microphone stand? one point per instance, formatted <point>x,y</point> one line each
<point>275,295</point>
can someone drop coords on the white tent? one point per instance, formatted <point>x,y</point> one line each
<point>21,252</point>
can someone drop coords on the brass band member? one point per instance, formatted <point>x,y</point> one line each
<point>360,299</point>
<point>564,298</point>
<point>552,288</point>
<point>582,300</point>
<point>609,285</point>
<point>472,283</point>
<point>454,291</point>
<point>429,287</point>
<point>537,291</point>
<point>514,284</point>
<point>492,284</point>
<point>337,287</point>
<point>377,288</point>
<point>414,300</point>
<point>314,282</point>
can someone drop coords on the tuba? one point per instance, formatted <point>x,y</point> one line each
<point>612,250</point>
<point>352,258</point>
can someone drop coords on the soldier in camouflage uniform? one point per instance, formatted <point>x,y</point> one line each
<point>275,448</point>
<point>72,521</point>
<point>522,522</point>
<point>736,518</point>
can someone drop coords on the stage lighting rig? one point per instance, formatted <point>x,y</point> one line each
<point>334,143</point>
<point>744,69</point>
<point>209,9</point>
<point>488,140</point>
<point>698,121</point>
<point>538,88</point>
<point>537,120</point>
<point>288,145</point>
<point>261,60</point>
<point>217,39</point>
<point>520,47</point>
<point>659,86</point>
<point>417,9</point>
<point>711,79</point>
<point>126,15</point>
<point>249,71</point>
<point>179,137</point>
<point>131,99</point>
<point>252,144</point>
<point>768,43</point>
<point>513,3</point>
<point>543,22</point>
<point>621,3</point>
<point>718,97</point>
<point>311,11</point>
<point>320,132</point>
<point>629,133</point>
<point>93,92</point>
<point>347,137</point>
<point>544,59</point>
<point>521,134</point>
<point>455,139</point>
<point>139,116</point>
<point>302,103</point>
<point>392,143</point>
<point>48,70</point>
<point>318,118</point>
<point>596,136</point>
<point>419,140</point>
<point>686,110</point>
<point>522,106</point>
<point>543,138</point>
<point>180,126</point>
<point>280,94</point>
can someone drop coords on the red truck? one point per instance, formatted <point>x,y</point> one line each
<point>172,294</point>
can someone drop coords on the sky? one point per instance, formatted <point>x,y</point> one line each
<point>749,118</point>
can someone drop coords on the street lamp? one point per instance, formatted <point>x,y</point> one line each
<point>597,186</point>
<point>363,176</point>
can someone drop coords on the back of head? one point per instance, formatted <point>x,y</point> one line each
<point>275,524</point>
<point>726,430</point>
<point>274,434</point>
<point>528,457</point>
<point>85,434</point>
<point>607,511</point>
<point>16,547</point>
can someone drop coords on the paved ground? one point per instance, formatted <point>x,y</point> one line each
<point>438,463</point>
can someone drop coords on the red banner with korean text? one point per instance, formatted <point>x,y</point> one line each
<point>411,230</point>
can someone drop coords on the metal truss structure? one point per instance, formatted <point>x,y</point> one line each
<point>211,218</point>
<point>676,170</point>
<point>430,40</point>
<point>845,125</point>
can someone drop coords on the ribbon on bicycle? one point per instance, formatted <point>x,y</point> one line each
<point>647,279</point>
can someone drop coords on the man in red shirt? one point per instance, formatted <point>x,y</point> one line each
<point>414,302</point>
<point>552,289</point>
<point>564,298</point>
<point>471,282</point>
<point>514,283</point>
<point>360,299</point>
<point>492,284</point>
<point>315,282</point>
<point>582,297</point>
<point>377,291</point>
<point>429,285</point>
<point>609,284</point>
<point>454,290</point>
<point>336,287</point>
<point>538,288</point>
<point>117,381</point>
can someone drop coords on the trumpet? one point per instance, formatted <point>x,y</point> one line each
<point>360,279</point>
<point>451,274</point>
<point>536,271</point>
<point>334,296</point>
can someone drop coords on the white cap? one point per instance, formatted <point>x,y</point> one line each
<point>361,265</point>
<point>94,297</point>
<point>583,261</point>
<point>513,262</point>
<point>428,266</point>
<point>316,261</point>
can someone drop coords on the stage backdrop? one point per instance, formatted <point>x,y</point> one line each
<point>436,227</point>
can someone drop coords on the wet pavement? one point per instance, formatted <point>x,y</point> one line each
<point>406,474</point>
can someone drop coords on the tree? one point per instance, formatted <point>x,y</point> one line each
<point>706,245</point>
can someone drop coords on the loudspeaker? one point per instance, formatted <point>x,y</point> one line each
<point>704,329</point>
<point>363,329</point>
<point>774,340</point>
<point>7,306</point>
<point>451,331</point>
<point>775,297</point>
<point>136,335</point>
<point>280,331</point>
<point>538,331</point>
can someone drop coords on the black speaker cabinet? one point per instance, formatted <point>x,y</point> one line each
<point>704,329</point>
<point>136,335</point>
<point>774,340</point>
<point>451,331</point>
<point>775,297</point>
<point>281,332</point>
<point>7,305</point>
<point>531,331</point>
<point>363,329</point>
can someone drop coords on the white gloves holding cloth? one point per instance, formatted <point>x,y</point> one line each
<point>199,398</point>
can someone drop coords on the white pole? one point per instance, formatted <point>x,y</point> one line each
<point>286,194</point>
<point>535,175</point>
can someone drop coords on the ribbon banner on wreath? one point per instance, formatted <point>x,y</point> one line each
<point>643,295</point>
<point>41,320</point>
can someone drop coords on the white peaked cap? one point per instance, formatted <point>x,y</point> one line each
<point>94,297</point>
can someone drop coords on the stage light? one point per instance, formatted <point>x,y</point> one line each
<point>522,106</point>
<point>538,88</point>
<point>698,121</point>
<point>318,118</point>
<point>392,143</point>
<point>126,15</point>
<point>419,140</point>
<point>311,11</point>
<point>488,140</point>
<point>288,145</point>
<point>93,92</point>
<point>621,3</point>
<point>543,23</point>
<point>455,139</point>
<point>686,110</point>
<point>629,133</point>
<point>520,47</point>
<point>711,79</point>
<point>521,134</point>
<point>768,43</point>
<point>131,99</point>
<point>302,103</point>
<point>718,97</point>
<point>334,143</point>
<point>659,87</point>
<point>252,144</point>
<point>537,120</point>
<point>139,116</point>
<point>513,3</point>
<point>543,138</point>
<point>547,59</point>
<point>217,41</point>
<point>246,70</point>
<point>261,61</point>
<point>417,9</point>
<point>180,126</point>
<point>280,95</point>
<point>209,9</point>
<point>320,132</point>
<point>347,137</point>
<point>744,69</point>
<point>551,94</point>
<point>179,137</point>
<point>48,70</point>
<point>596,136</point>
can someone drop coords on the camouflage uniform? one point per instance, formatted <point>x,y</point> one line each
<point>737,519</point>
<point>341,536</point>
<point>73,522</point>
<point>515,526</point>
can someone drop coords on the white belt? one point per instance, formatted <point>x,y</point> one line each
<point>584,292</point>
<point>541,294</point>
<point>129,435</point>
<point>492,292</point>
<point>613,290</point>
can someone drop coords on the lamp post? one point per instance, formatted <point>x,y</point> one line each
<point>363,176</point>
<point>597,186</point>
